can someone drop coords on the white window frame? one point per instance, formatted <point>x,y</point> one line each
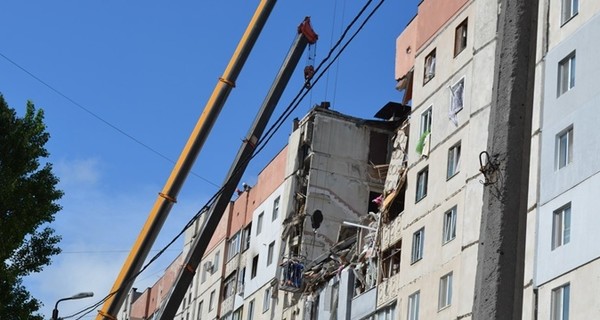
<point>453,161</point>
<point>275,208</point>
<point>460,37</point>
<point>259,222</point>
<point>270,253</point>
<point>449,231</point>
<point>233,245</point>
<point>567,69</point>
<point>429,66</point>
<point>457,100</point>
<point>445,293</point>
<point>569,9</point>
<point>413,306</point>
<point>250,315</point>
<point>211,301</point>
<point>564,148</point>
<point>421,190</point>
<point>560,304</point>
<point>426,120</point>
<point>267,299</point>
<point>418,243</point>
<point>561,226</point>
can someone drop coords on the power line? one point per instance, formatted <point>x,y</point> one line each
<point>106,122</point>
<point>261,143</point>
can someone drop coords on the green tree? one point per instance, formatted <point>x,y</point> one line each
<point>28,197</point>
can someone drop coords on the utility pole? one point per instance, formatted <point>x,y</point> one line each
<point>499,281</point>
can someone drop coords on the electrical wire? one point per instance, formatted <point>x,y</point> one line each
<point>112,126</point>
<point>260,144</point>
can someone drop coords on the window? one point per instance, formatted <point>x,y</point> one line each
<point>569,10</point>
<point>270,253</point>
<point>422,184</point>
<point>387,313</point>
<point>560,302</point>
<point>429,68</point>
<point>200,309</point>
<point>254,267</point>
<point>449,231</point>
<point>211,301</point>
<point>267,299</point>
<point>275,209</point>
<point>445,297</point>
<point>215,264</point>
<point>417,245</point>
<point>391,260</point>
<point>233,246</point>
<point>246,235</point>
<point>250,310</point>
<point>460,38</point>
<point>237,314</point>
<point>564,148</point>
<point>453,161</point>
<point>413,306</point>
<point>425,122</point>
<point>240,280</point>
<point>228,286</point>
<point>561,226</point>
<point>259,223</point>
<point>566,74</point>
<point>457,95</point>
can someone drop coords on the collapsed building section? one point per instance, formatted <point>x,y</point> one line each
<point>346,182</point>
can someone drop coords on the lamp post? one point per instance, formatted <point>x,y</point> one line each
<point>80,295</point>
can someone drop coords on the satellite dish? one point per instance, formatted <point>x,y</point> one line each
<point>316,218</point>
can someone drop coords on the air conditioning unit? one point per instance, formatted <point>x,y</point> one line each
<point>308,133</point>
<point>208,266</point>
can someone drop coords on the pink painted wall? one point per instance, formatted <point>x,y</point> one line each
<point>406,48</point>
<point>433,15</point>
<point>269,179</point>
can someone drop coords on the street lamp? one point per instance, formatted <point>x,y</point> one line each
<point>80,295</point>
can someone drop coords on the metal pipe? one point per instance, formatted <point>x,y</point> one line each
<point>168,196</point>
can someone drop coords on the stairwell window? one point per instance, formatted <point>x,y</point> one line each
<point>270,253</point>
<point>250,315</point>
<point>453,161</point>
<point>275,209</point>
<point>211,301</point>
<point>445,296</point>
<point>254,270</point>
<point>426,117</point>
<point>413,306</point>
<point>564,148</point>
<point>561,302</point>
<point>449,232</point>
<point>566,74</point>
<point>561,226</point>
<point>267,300</point>
<point>569,9</point>
<point>259,223</point>
<point>417,245</point>
<point>460,37</point>
<point>422,184</point>
<point>429,67</point>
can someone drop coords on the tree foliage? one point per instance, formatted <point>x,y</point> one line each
<point>28,197</point>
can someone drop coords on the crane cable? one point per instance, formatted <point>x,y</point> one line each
<point>261,142</point>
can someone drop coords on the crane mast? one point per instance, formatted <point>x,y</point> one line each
<point>168,196</point>
<point>305,36</point>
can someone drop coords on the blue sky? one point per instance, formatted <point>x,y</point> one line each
<point>148,68</point>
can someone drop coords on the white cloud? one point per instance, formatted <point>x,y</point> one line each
<point>99,228</point>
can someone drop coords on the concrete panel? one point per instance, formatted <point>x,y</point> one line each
<point>364,304</point>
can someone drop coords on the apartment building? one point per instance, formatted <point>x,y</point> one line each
<point>562,275</point>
